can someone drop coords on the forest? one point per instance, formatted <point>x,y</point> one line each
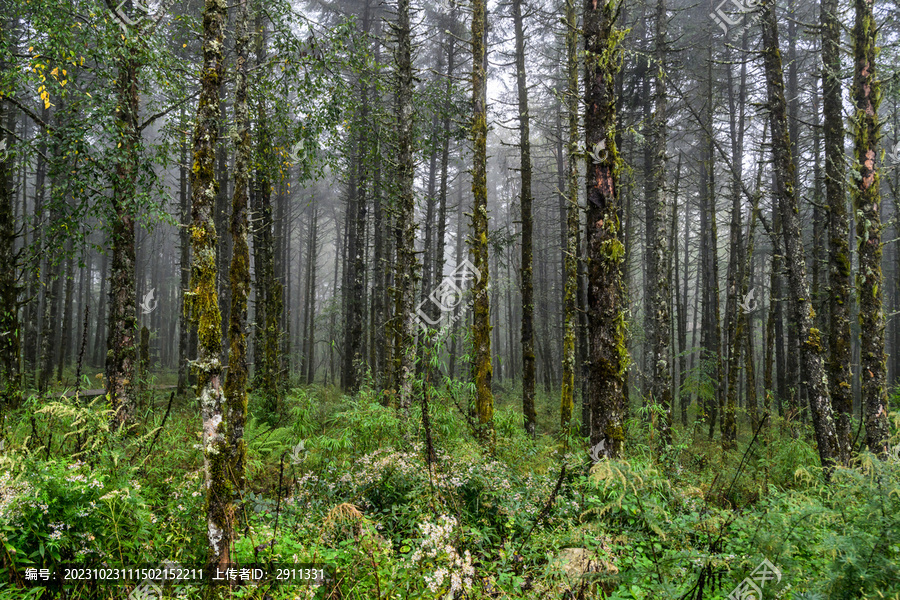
<point>450,299</point>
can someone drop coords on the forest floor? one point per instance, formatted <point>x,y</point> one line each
<point>343,482</point>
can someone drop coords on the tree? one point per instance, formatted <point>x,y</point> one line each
<point>867,203</point>
<point>810,337</point>
<point>481,322</point>
<point>658,264</point>
<point>528,359</point>
<point>201,300</point>
<point>608,352</point>
<point>239,271</point>
<point>405,225</point>
<point>839,352</point>
<point>122,330</point>
<point>570,293</point>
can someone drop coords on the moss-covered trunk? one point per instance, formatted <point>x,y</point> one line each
<point>235,408</point>
<point>658,263</point>
<point>528,359</point>
<point>482,368</point>
<point>405,225</point>
<point>121,346</point>
<point>201,300</point>
<point>795,262</point>
<point>268,288</point>
<point>840,375</point>
<point>608,352</point>
<point>867,202</point>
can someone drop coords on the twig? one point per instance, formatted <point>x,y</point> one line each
<point>545,510</point>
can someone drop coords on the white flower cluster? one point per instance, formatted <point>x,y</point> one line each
<point>13,495</point>
<point>437,549</point>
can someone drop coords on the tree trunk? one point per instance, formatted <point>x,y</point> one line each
<point>184,268</point>
<point>839,355</point>
<point>482,369</point>
<point>405,226</point>
<point>867,203</point>
<point>606,253</point>
<point>122,330</point>
<point>201,299</point>
<point>658,263</point>
<point>235,404</point>
<point>810,337</point>
<point>9,288</point>
<point>528,374</point>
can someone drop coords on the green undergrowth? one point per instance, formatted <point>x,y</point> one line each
<point>343,481</point>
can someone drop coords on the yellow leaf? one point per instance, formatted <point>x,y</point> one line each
<point>54,71</point>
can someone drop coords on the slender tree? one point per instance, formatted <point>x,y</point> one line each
<point>572,221</point>
<point>528,360</point>
<point>239,271</point>
<point>839,354</point>
<point>481,323</point>
<point>658,263</point>
<point>405,226</point>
